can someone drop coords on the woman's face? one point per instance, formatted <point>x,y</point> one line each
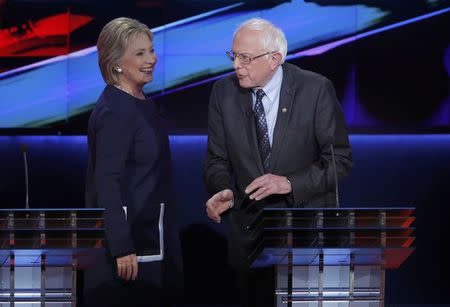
<point>138,62</point>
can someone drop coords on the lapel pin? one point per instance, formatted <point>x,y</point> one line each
<point>284,110</point>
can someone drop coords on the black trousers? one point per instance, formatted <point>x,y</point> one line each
<point>117,293</point>
<point>256,287</point>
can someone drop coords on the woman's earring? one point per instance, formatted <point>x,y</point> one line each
<point>119,70</point>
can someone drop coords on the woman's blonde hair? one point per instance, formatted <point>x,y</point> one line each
<point>112,43</point>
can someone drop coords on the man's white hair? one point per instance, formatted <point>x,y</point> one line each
<point>274,38</point>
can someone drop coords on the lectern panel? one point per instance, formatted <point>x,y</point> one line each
<point>40,251</point>
<point>331,256</point>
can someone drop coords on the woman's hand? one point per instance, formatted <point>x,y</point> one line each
<point>127,267</point>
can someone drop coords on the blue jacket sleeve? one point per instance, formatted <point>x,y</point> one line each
<point>114,136</point>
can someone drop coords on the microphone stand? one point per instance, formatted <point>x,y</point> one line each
<point>25,162</point>
<point>335,176</point>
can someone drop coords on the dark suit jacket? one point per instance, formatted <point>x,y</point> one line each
<point>309,120</point>
<point>130,165</point>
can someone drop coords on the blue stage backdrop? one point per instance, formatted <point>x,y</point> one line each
<point>388,59</point>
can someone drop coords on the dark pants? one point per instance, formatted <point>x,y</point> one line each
<point>257,287</point>
<point>117,293</point>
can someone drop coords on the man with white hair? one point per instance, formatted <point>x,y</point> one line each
<point>271,126</point>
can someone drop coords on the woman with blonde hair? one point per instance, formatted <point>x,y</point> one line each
<point>129,174</point>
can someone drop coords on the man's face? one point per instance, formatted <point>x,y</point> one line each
<point>259,71</point>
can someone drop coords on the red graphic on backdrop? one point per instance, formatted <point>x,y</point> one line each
<point>45,37</point>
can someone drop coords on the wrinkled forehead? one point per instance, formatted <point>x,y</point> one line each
<point>248,41</point>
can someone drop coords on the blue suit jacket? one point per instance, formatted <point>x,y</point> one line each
<point>129,166</point>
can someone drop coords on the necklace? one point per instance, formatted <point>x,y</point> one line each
<point>126,91</point>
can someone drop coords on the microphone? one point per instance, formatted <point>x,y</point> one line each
<point>335,176</point>
<point>24,149</point>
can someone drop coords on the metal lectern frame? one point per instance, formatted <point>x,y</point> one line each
<point>340,241</point>
<point>61,240</point>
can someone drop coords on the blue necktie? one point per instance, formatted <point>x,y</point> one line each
<point>262,131</point>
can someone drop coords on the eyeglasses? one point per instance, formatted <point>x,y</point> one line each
<point>244,58</point>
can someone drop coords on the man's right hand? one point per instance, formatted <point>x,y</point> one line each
<point>218,204</point>
<point>127,267</point>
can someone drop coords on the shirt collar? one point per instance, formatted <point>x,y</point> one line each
<point>272,87</point>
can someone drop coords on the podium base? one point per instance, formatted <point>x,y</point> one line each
<point>320,285</point>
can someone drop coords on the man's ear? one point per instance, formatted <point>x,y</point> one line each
<point>275,60</point>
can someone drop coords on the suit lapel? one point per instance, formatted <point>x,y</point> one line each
<point>284,112</point>
<point>246,104</point>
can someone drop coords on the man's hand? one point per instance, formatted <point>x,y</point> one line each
<point>268,184</point>
<point>127,267</point>
<point>218,204</point>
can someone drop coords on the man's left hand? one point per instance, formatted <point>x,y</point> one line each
<point>268,184</point>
